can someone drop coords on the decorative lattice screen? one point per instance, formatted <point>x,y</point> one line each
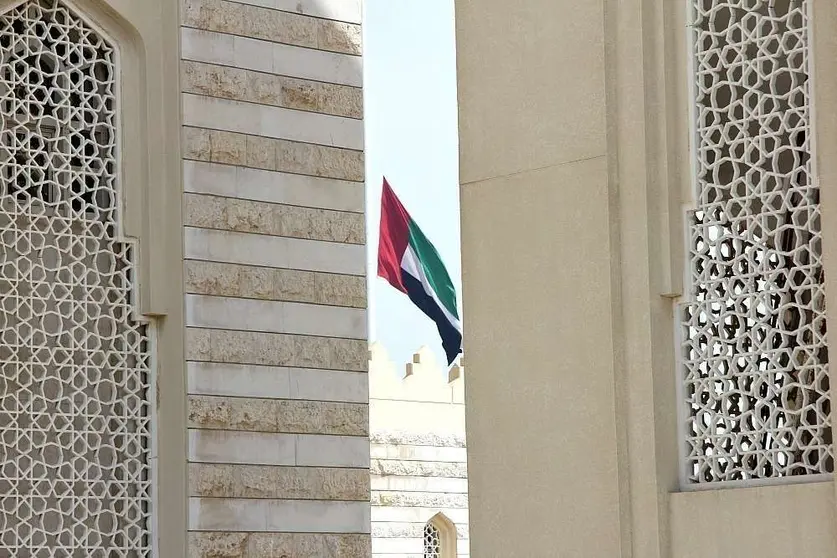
<point>74,391</point>
<point>432,541</point>
<point>754,354</point>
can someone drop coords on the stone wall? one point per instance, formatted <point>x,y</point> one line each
<point>418,455</point>
<point>274,277</point>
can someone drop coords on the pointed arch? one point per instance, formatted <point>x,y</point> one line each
<point>439,537</point>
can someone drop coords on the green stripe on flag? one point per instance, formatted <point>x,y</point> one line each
<point>434,269</point>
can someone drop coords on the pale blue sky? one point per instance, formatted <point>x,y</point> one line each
<point>411,138</point>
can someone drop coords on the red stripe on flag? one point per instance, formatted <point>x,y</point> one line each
<point>395,235</point>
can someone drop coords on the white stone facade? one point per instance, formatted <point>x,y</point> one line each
<point>418,456</point>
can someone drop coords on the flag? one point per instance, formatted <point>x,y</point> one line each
<point>410,263</point>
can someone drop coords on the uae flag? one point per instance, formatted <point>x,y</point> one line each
<point>411,264</point>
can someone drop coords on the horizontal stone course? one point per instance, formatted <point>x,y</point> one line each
<point>273,545</point>
<point>259,481</point>
<point>274,251</point>
<point>272,25</point>
<point>395,483</point>
<point>274,382</point>
<point>264,56</point>
<point>274,122</point>
<point>444,440</point>
<point>275,349</point>
<point>340,10</point>
<point>270,89</point>
<point>419,468</point>
<point>231,214</point>
<point>272,186</point>
<point>263,283</point>
<point>278,415</point>
<point>266,448</point>
<point>271,516</point>
<point>275,316</point>
<point>420,500</point>
<point>231,148</point>
<point>418,453</point>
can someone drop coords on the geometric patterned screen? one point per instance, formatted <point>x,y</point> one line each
<point>432,541</point>
<point>75,413</point>
<point>754,358</point>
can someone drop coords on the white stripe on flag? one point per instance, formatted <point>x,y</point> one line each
<point>409,264</point>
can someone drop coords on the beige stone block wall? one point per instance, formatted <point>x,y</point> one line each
<point>417,450</point>
<point>275,293</point>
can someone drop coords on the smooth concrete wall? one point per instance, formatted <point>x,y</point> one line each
<point>275,303</point>
<point>536,255</point>
<point>771,521</point>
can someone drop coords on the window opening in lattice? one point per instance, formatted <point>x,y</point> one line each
<point>75,410</point>
<point>432,541</point>
<point>754,354</point>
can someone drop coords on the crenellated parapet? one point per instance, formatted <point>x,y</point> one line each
<point>423,379</point>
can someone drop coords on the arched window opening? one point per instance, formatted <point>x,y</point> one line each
<point>75,388</point>
<point>754,358</point>
<point>439,538</point>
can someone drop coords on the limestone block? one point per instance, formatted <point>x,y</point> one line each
<point>296,483</point>
<point>271,349</point>
<point>289,156</point>
<point>197,344</point>
<point>273,545</point>
<point>419,500</point>
<point>276,122</point>
<point>274,251</point>
<point>210,278</point>
<point>196,144</point>
<point>419,484</point>
<point>272,415</point>
<point>227,147</point>
<point>406,452</point>
<point>260,153</point>
<point>258,282</point>
<point>274,316</point>
<point>348,288</point>
<point>270,516</point>
<point>272,25</point>
<point>332,451</point>
<point>270,89</point>
<point>447,440</point>
<point>418,469</point>
<point>319,160</point>
<point>339,37</point>
<point>255,448</point>
<point>220,279</point>
<point>275,187</point>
